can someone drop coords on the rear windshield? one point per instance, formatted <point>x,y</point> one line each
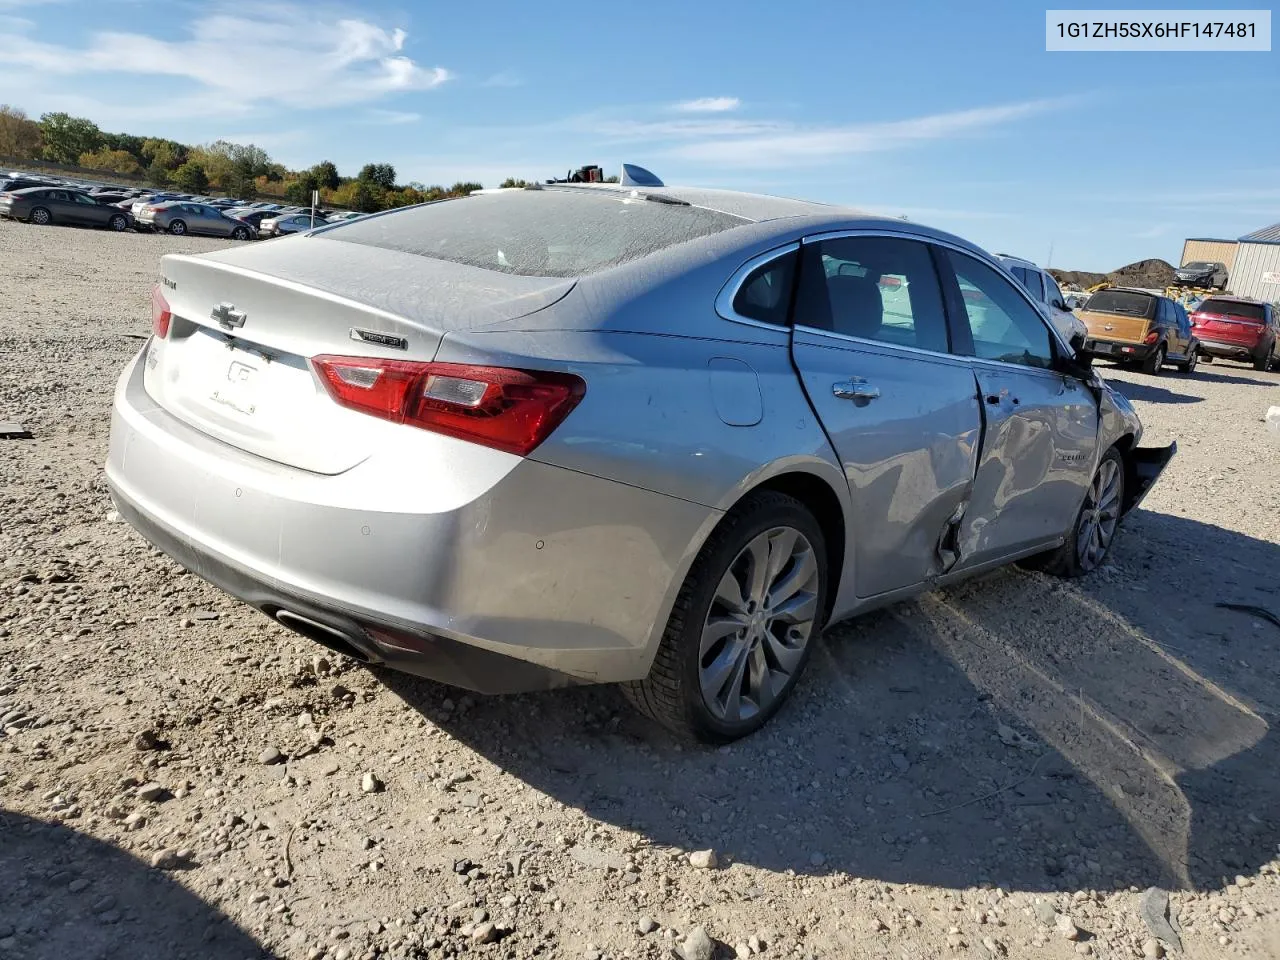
<point>537,233</point>
<point>1122,302</point>
<point>1233,308</point>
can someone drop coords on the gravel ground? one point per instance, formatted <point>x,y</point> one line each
<point>1002,769</point>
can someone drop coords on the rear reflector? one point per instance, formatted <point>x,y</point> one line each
<point>160,315</point>
<point>511,410</point>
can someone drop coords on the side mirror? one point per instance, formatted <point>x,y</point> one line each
<point>1077,349</point>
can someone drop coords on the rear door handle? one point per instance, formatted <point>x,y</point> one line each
<point>856,389</point>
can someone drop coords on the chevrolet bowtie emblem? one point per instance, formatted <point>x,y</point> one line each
<point>228,316</point>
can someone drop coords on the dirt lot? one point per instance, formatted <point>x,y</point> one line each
<point>1002,769</point>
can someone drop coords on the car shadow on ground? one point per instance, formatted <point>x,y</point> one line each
<point>1016,730</point>
<point>1218,376</point>
<point>1151,393</point>
<point>68,895</point>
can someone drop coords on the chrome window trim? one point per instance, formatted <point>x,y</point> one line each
<point>893,347</point>
<point>980,255</point>
<point>729,292</point>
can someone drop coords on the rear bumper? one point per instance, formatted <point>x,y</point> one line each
<point>545,577</point>
<point>1117,349</point>
<point>1228,350</point>
<point>1143,467</point>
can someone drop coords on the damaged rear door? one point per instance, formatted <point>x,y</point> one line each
<point>1040,437</point>
<point>871,347</point>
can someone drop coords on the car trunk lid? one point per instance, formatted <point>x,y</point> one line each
<point>245,323</point>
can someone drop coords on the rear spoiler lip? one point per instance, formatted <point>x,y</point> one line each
<point>1143,467</point>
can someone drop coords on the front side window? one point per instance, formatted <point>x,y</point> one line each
<point>1003,325</point>
<point>875,288</point>
<point>765,294</point>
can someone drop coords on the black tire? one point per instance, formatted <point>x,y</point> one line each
<point>178,227</point>
<point>40,216</point>
<point>1263,363</point>
<point>239,233</point>
<point>1189,365</point>
<point>1066,560</point>
<point>1154,361</point>
<point>119,223</point>
<point>671,694</point>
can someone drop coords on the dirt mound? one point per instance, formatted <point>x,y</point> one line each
<point>1154,274</point>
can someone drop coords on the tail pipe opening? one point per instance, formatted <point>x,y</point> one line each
<point>325,635</point>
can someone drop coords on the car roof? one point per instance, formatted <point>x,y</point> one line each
<point>754,207</point>
<point>1020,261</point>
<point>1232,299</point>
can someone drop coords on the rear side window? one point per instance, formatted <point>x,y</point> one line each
<point>765,294</point>
<point>1233,308</point>
<point>875,288</point>
<point>537,233</point>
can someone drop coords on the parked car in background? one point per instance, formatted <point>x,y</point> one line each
<point>344,215</point>
<point>1139,327</point>
<point>45,205</point>
<point>11,184</point>
<point>1238,328</point>
<point>1202,273</point>
<point>250,215</point>
<point>865,415</point>
<point>279,225</point>
<point>1041,285</point>
<point>183,216</point>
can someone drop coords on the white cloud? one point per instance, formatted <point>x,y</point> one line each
<point>708,105</point>
<point>787,144</point>
<point>278,54</point>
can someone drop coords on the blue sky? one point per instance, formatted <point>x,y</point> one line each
<point>952,114</point>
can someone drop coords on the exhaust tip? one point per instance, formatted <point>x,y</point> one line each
<point>322,634</point>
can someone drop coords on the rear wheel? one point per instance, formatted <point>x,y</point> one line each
<point>1089,541</point>
<point>178,228</point>
<point>1154,361</point>
<point>1189,365</point>
<point>743,623</point>
<point>118,223</point>
<point>1263,363</point>
<point>40,217</point>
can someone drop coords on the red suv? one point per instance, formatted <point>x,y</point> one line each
<point>1237,328</point>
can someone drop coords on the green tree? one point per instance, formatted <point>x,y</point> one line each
<point>191,178</point>
<point>464,187</point>
<point>158,174</point>
<point>167,153</point>
<point>299,191</point>
<point>513,182</point>
<point>67,137</point>
<point>115,161</point>
<point>378,174</point>
<point>326,174</point>
<point>19,135</point>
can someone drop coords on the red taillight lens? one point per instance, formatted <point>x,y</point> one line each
<point>1151,337</point>
<point>511,410</point>
<point>160,315</point>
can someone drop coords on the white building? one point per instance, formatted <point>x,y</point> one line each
<point>1256,271</point>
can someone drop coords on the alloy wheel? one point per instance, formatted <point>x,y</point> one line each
<point>1100,516</point>
<point>40,217</point>
<point>760,620</point>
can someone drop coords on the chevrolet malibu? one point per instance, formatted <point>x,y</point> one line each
<point>589,434</point>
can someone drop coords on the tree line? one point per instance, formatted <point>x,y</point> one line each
<point>234,169</point>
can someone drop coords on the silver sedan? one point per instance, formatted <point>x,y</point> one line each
<point>588,434</point>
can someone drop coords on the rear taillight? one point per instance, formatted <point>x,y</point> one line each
<point>511,410</point>
<point>1151,337</point>
<point>160,315</point>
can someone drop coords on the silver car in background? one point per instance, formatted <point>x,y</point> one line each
<point>283,224</point>
<point>589,434</point>
<point>181,217</point>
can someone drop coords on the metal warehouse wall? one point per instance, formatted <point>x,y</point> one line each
<point>1252,261</point>
<point>1219,251</point>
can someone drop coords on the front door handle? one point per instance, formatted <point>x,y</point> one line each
<point>856,389</point>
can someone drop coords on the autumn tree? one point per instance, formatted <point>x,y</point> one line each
<point>66,137</point>
<point>299,191</point>
<point>326,174</point>
<point>167,153</point>
<point>513,182</point>
<point>115,161</point>
<point>19,134</point>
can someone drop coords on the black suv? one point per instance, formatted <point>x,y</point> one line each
<point>1209,274</point>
